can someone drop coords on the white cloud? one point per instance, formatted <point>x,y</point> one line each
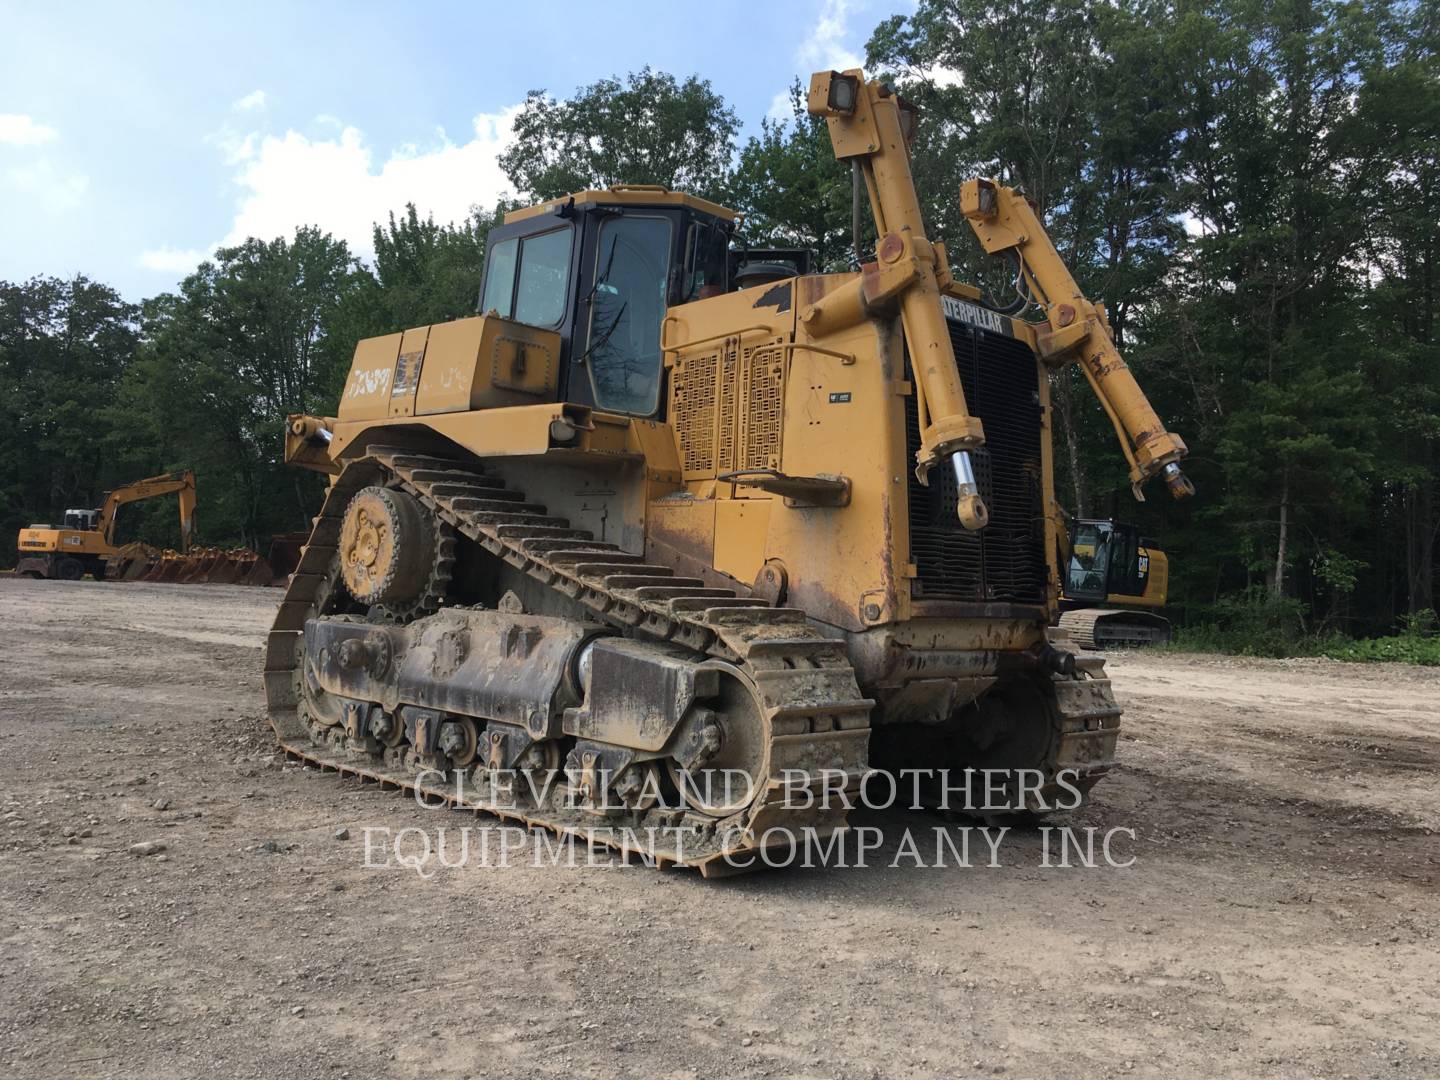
<point>825,48</point>
<point>253,100</point>
<point>942,76</point>
<point>16,129</point>
<point>293,179</point>
<point>332,181</point>
<point>51,188</point>
<point>173,260</point>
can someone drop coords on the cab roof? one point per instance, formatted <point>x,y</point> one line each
<point>626,195</point>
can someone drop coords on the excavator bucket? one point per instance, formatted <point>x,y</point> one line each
<point>199,566</point>
<point>209,566</point>
<point>131,562</point>
<point>284,554</point>
<point>227,569</point>
<point>259,573</point>
<point>166,568</point>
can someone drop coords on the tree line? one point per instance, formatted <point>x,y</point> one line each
<point>1251,186</point>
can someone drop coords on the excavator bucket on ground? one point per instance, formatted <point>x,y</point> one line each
<point>131,562</point>
<point>206,566</point>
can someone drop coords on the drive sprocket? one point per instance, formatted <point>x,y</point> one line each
<point>395,554</point>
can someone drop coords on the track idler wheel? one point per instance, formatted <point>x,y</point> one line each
<point>387,546</point>
<point>733,762</point>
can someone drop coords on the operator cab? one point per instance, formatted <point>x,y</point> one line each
<point>601,269</point>
<point>1105,560</point>
<point>82,520</point>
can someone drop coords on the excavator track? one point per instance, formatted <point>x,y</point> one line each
<point>817,720</point>
<point>1100,628</point>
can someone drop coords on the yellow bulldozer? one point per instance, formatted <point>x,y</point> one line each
<point>672,552</point>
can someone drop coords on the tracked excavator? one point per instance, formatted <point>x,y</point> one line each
<point>673,553</point>
<point>1114,581</point>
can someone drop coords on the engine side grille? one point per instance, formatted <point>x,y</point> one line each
<point>1005,561</point>
<point>728,407</point>
<point>692,410</point>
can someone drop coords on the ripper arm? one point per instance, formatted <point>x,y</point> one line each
<point>872,127</point>
<point>1079,329</point>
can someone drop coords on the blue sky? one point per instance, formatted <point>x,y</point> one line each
<point>134,138</point>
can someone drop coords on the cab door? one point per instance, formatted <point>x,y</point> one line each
<point>620,348</point>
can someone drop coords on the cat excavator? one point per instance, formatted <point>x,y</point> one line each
<point>1110,572</point>
<point>671,551</point>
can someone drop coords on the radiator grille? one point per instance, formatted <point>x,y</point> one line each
<point>728,394</point>
<point>1005,561</point>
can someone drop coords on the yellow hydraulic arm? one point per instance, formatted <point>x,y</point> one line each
<point>1005,223</point>
<point>871,127</point>
<point>182,482</point>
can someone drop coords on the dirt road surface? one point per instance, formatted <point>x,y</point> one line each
<point>1279,918</point>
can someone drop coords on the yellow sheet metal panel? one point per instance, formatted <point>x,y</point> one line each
<point>845,416</point>
<point>408,367</point>
<point>486,362</point>
<point>448,377</point>
<point>1156,566</point>
<point>741,531</point>
<point>680,532</point>
<point>523,359</point>
<point>495,433</point>
<point>367,390</point>
<point>62,541</point>
<point>624,195</point>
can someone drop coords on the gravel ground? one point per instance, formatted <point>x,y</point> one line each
<point>1278,919</point>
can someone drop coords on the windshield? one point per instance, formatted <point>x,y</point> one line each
<point>1089,557</point>
<point>627,306</point>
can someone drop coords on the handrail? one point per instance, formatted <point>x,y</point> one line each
<point>714,337</point>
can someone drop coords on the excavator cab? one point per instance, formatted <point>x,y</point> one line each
<point>1106,557</point>
<point>1110,563</point>
<point>82,520</point>
<point>600,269</point>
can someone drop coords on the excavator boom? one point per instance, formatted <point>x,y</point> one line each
<point>153,487</point>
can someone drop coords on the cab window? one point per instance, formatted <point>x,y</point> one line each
<point>1089,561</point>
<point>1125,562</point>
<point>627,307</point>
<point>527,277</point>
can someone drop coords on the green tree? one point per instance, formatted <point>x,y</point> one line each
<point>64,348</point>
<point>1073,103</point>
<point>423,273</point>
<point>792,190</point>
<point>248,340</point>
<point>649,129</point>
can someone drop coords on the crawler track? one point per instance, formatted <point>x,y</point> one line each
<point>818,720</point>
<point>1099,628</point>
